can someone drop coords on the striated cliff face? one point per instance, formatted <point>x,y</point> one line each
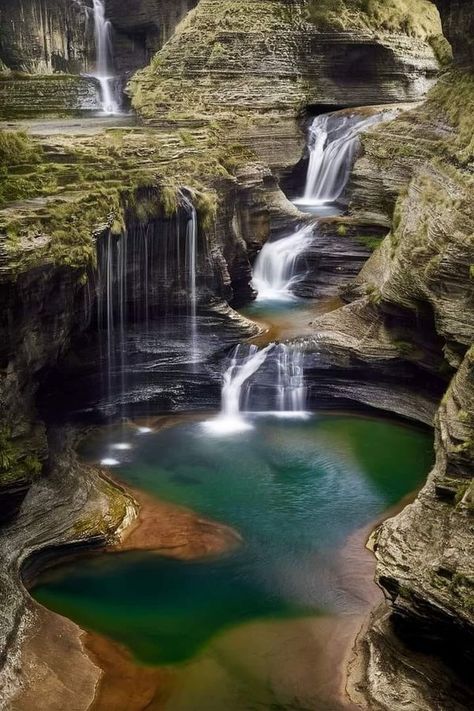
<point>142,27</point>
<point>458,27</point>
<point>413,303</point>
<point>47,47</point>
<point>45,37</point>
<point>263,62</point>
<point>50,36</point>
<point>41,310</point>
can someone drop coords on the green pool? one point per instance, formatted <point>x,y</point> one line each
<point>294,490</point>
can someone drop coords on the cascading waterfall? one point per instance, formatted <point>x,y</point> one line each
<point>240,370</point>
<point>275,271</point>
<point>283,383</point>
<point>103,73</point>
<point>333,144</point>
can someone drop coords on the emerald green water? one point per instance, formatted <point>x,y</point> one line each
<point>294,490</point>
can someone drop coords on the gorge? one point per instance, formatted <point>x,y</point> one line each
<point>236,268</point>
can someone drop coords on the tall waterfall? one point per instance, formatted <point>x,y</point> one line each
<point>103,71</point>
<point>191,262</point>
<point>280,371</point>
<point>144,275</point>
<point>275,271</point>
<point>333,143</point>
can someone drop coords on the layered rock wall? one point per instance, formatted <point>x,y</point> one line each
<point>256,65</point>
<point>458,27</point>
<point>46,36</point>
<point>142,27</point>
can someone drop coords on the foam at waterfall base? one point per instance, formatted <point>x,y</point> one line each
<point>224,425</point>
<point>227,425</point>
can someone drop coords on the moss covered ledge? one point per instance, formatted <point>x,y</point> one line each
<point>58,192</point>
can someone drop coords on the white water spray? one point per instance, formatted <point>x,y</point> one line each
<point>103,73</point>
<point>275,271</point>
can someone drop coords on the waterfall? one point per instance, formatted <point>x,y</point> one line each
<point>291,388</point>
<point>191,266</point>
<point>145,274</point>
<point>275,271</point>
<point>333,144</point>
<point>103,46</point>
<point>236,377</point>
<point>280,370</point>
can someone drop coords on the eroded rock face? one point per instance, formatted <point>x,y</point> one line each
<point>458,26</point>
<point>425,566</point>
<point>142,27</point>
<point>24,98</point>
<point>91,512</point>
<point>415,295</point>
<point>41,37</point>
<point>40,311</point>
<point>262,62</point>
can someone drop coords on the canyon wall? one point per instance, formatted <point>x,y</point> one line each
<point>46,36</point>
<point>224,102</point>
<point>257,65</point>
<point>413,301</point>
<point>47,47</point>
<point>141,28</point>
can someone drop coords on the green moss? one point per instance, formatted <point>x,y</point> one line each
<point>234,156</point>
<point>103,521</point>
<point>374,294</point>
<point>453,97</point>
<point>415,18</point>
<point>369,241</point>
<point>206,205</point>
<point>17,147</point>
<point>187,138</point>
<point>17,462</point>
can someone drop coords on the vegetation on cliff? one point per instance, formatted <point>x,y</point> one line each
<point>84,185</point>
<point>416,18</point>
<point>262,60</point>
<point>18,462</point>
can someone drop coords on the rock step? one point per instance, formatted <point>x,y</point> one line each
<point>55,95</point>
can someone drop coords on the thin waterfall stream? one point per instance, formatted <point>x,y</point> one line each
<point>103,70</point>
<point>191,266</point>
<point>146,278</point>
